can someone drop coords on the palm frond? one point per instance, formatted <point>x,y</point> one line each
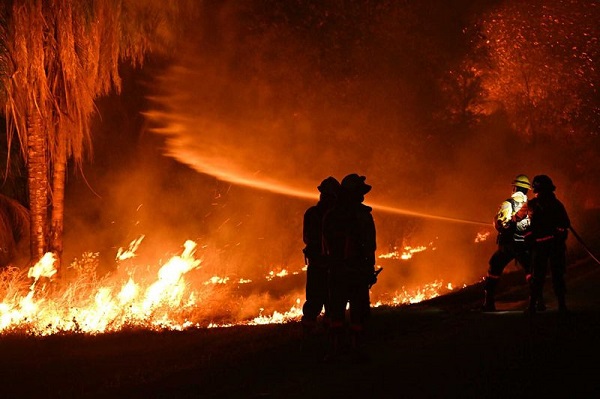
<point>14,229</point>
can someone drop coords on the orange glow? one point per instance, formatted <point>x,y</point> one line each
<point>406,253</point>
<point>178,297</point>
<point>406,296</point>
<point>281,273</point>
<point>482,236</point>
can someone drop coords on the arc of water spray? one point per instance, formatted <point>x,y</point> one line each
<point>178,147</point>
<point>390,209</point>
<point>282,189</point>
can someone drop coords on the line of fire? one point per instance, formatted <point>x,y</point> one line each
<point>159,156</point>
<point>177,294</point>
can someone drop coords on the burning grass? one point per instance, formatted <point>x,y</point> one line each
<point>176,295</point>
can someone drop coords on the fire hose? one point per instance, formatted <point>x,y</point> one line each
<point>583,244</point>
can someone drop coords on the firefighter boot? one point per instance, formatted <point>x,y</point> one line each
<point>489,302</point>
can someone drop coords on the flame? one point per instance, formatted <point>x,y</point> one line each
<point>482,236</point>
<point>407,252</point>
<point>87,304</point>
<point>217,280</point>
<point>44,310</point>
<point>273,274</point>
<point>410,296</point>
<point>129,253</point>
<point>44,268</point>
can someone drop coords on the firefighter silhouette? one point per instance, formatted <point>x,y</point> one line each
<point>547,236</point>
<point>349,241</point>
<point>510,242</point>
<point>317,270</point>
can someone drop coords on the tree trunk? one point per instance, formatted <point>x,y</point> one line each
<point>37,178</point>
<point>58,201</point>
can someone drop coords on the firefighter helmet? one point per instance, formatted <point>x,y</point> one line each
<point>542,183</point>
<point>355,183</point>
<point>329,186</point>
<point>522,181</point>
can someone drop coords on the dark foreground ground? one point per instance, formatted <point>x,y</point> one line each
<point>441,348</point>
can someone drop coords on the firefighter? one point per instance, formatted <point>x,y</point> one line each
<point>510,242</point>
<point>349,240</point>
<point>547,238</point>
<point>317,267</point>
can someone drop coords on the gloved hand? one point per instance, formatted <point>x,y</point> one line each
<point>523,225</point>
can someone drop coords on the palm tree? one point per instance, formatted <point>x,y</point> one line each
<point>57,57</point>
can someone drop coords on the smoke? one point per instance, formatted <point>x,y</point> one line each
<point>254,112</point>
<point>263,112</point>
